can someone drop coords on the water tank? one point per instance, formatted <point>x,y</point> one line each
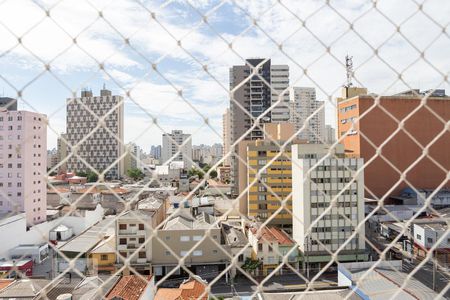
<point>64,297</point>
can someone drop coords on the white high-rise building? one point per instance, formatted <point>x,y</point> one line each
<point>303,106</point>
<point>175,142</point>
<point>315,184</point>
<point>330,134</point>
<point>102,148</point>
<point>279,77</point>
<point>23,164</point>
<point>226,135</point>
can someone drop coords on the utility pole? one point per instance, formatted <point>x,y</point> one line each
<point>434,261</point>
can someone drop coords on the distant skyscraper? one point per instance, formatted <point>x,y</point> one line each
<point>174,142</point>
<point>103,147</point>
<point>23,163</point>
<point>303,106</point>
<point>8,103</point>
<point>226,135</point>
<point>330,134</point>
<point>132,158</point>
<point>155,152</point>
<point>256,95</point>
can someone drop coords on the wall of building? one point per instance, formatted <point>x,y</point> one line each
<point>377,126</point>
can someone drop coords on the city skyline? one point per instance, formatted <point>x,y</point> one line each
<point>155,93</point>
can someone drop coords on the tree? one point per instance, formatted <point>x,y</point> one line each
<point>135,174</point>
<point>195,172</point>
<point>90,175</point>
<point>213,174</point>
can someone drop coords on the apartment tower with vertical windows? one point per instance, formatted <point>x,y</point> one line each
<point>95,133</point>
<point>23,163</point>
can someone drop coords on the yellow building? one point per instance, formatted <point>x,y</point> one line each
<point>102,258</point>
<point>272,190</point>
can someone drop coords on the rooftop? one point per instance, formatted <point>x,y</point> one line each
<point>129,287</point>
<point>190,289</point>
<point>273,234</point>
<point>24,288</point>
<point>337,294</point>
<point>90,237</point>
<point>384,281</point>
<point>185,221</point>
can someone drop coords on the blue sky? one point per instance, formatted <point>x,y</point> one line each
<point>128,67</point>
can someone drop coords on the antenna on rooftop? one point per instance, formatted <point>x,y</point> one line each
<point>349,70</point>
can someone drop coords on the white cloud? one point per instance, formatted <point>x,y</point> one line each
<point>130,65</point>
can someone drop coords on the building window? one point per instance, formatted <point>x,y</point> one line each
<point>123,241</point>
<point>141,240</point>
<point>198,253</point>
<point>214,251</point>
<point>104,257</point>
<point>142,255</point>
<point>122,226</point>
<point>429,240</point>
<point>184,238</point>
<point>141,226</point>
<point>418,236</point>
<point>260,247</point>
<point>196,238</point>
<point>183,253</point>
<point>241,258</point>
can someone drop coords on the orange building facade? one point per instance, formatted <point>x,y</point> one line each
<point>373,129</point>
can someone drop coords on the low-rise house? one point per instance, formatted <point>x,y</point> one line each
<point>197,239</point>
<point>133,231</point>
<point>236,239</point>
<point>102,259</point>
<point>24,289</point>
<point>271,247</point>
<point>132,287</point>
<point>193,288</point>
<point>37,253</point>
<point>426,235</point>
<point>79,247</point>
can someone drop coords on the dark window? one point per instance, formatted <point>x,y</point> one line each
<point>122,226</point>
<point>123,241</point>
<point>141,226</point>
<point>142,255</point>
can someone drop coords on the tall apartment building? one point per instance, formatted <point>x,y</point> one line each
<point>303,106</point>
<point>262,199</point>
<point>175,142</point>
<point>365,127</point>
<point>330,134</point>
<point>155,151</point>
<point>265,196</point>
<point>132,159</point>
<point>23,163</point>
<point>252,97</point>
<point>314,184</point>
<point>226,136</point>
<point>62,150</point>
<point>102,148</point>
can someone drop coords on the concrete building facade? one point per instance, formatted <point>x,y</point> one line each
<point>177,142</point>
<point>364,127</point>
<point>23,164</point>
<point>103,148</point>
<point>315,183</point>
<point>226,136</point>
<point>307,114</point>
<point>253,93</point>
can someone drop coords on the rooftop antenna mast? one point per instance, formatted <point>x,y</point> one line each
<point>349,70</point>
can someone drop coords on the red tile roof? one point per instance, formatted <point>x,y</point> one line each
<point>273,234</point>
<point>190,290</point>
<point>128,287</point>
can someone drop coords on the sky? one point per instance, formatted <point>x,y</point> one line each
<point>171,59</point>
